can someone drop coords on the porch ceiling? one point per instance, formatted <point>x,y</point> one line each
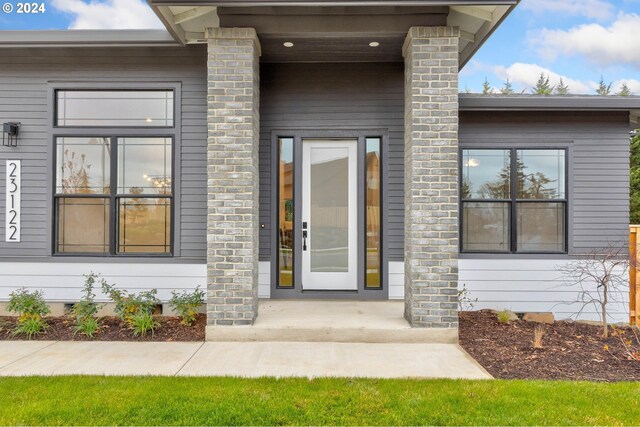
<point>334,31</point>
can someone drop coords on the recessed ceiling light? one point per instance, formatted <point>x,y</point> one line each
<point>287,44</point>
<point>374,44</point>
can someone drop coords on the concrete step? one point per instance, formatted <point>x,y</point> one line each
<point>331,321</point>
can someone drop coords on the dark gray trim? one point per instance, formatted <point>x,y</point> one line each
<point>72,38</point>
<point>475,102</point>
<point>174,132</point>
<point>298,135</point>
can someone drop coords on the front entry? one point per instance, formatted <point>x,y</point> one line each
<point>329,214</point>
<point>328,219</point>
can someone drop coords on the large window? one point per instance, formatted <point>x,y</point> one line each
<point>514,200</point>
<point>114,189</point>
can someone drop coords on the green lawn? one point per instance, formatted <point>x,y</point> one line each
<point>229,401</point>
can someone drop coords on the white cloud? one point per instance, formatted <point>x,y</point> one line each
<point>594,9</point>
<point>108,14</point>
<point>618,43</point>
<point>525,76</point>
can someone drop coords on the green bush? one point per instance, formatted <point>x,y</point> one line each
<point>31,309</point>
<point>504,316</point>
<point>187,304</point>
<point>85,310</point>
<point>129,304</point>
<point>136,310</point>
<point>141,323</point>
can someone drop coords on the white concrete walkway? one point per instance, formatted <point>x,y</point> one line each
<point>243,359</point>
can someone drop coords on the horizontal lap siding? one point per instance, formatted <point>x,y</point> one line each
<point>24,74</point>
<point>598,208</point>
<point>599,186</point>
<point>532,285</point>
<point>331,97</point>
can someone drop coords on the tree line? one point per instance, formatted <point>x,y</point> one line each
<point>544,87</point>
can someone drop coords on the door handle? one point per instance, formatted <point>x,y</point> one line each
<point>304,240</point>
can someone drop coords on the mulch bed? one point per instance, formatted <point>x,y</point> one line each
<point>571,350</point>
<point>112,329</point>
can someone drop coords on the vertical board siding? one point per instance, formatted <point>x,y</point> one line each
<point>599,168</point>
<point>331,97</point>
<point>24,76</point>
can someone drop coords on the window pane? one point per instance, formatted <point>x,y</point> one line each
<point>329,199</point>
<point>485,226</point>
<point>82,165</point>
<point>144,166</point>
<point>541,174</point>
<point>114,108</point>
<point>541,227</point>
<point>485,174</point>
<point>83,225</point>
<point>374,262</point>
<point>285,213</point>
<point>144,225</point>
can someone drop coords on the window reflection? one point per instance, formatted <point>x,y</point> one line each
<point>114,108</point>
<point>83,224</point>
<point>285,212</point>
<point>144,225</point>
<point>486,174</point>
<point>144,166</point>
<point>82,165</point>
<point>373,219</point>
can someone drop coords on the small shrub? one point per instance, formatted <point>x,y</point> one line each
<point>85,310</point>
<point>187,304</point>
<point>465,302</point>
<point>31,309</point>
<point>631,346</point>
<point>538,333</point>
<point>141,323</point>
<point>87,326</point>
<point>129,304</point>
<point>136,310</point>
<point>504,316</point>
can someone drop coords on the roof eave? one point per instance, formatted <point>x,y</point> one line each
<point>85,38</point>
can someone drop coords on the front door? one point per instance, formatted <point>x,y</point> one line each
<point>329,214</point>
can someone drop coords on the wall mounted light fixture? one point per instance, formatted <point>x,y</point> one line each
<point>10,133</point>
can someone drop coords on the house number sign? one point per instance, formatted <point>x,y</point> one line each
<point>12,224</point>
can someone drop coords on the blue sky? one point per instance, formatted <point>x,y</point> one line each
<point>578,40</point>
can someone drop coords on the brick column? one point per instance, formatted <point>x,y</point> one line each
<point>431,177</point>
<point>232,166</point>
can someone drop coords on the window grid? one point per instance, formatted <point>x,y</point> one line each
<point>114,197</point>
<point>514,201</point>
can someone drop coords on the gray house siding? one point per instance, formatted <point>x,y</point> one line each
<point>329,97</point>
<point>297,96</point>
<point>599,164</point>
<point>26,74</point>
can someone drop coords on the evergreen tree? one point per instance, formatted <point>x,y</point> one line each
<point>624,90</point>
<point>486,87</point>
<point>562,88</point>
<point>634,196</point>
<point>603,88</point>
<point>507,89</point>
<point>543,87</point>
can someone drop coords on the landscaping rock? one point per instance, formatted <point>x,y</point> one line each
<point>539,317</point>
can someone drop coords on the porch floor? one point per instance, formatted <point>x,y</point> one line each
<point>332,321</point>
